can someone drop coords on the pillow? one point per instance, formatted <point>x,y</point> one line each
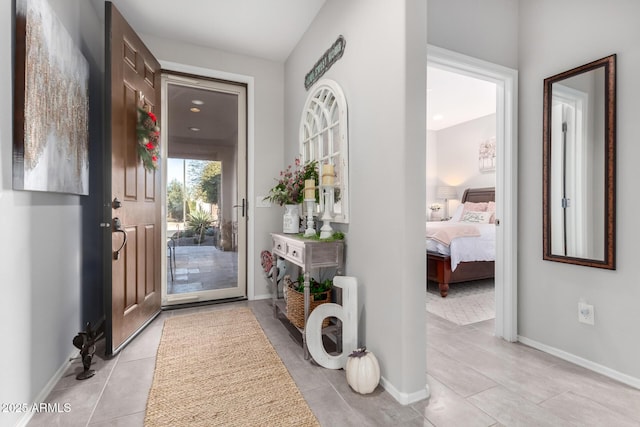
<point>476,217</point>
<point>474,207</point>
<point>491,207</point>
<point>457,215</point>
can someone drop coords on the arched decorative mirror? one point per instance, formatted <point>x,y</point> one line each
<point>579,127</point>
<point>324,138</point>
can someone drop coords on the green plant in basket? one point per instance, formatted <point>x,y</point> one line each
<point>315,287</point>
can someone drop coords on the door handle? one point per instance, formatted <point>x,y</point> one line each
<point>116,204</point>
<point>117,228</point>
<point>244,206</point>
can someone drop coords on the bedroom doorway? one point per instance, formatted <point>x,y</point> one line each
<point>505,163</point>
<point>461,131</point>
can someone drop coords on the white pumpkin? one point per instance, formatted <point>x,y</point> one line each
<point>363,371</point>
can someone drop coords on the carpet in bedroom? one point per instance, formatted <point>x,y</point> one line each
<point>468,302</point>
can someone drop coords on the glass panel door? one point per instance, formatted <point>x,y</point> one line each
<point>205,190</point>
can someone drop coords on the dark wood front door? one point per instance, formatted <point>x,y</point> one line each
<point>133,80</point>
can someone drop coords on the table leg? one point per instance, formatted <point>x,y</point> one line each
<point>274,281</point>
<point>306,314</point>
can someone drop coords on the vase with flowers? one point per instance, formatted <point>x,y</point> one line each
<point>289,191</point>
<point>436,215</point>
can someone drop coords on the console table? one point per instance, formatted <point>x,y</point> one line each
<point>308,254</point>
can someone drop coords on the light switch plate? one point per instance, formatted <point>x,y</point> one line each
<point>262,203</point>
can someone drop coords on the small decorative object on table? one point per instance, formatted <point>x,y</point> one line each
<point>328,180</point>
<point>289,191</point>
<point>435,215</point>
<point>363,371</point>
<point>310,201</point>
<point>319,292</point>
<point>290,219</point>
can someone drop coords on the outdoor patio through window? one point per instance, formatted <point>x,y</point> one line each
<point>201,241</point>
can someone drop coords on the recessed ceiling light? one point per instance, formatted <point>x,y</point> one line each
<point>194,109</point>
<point>195,129</point>
<point>197,102</point>
<point>438,117</point>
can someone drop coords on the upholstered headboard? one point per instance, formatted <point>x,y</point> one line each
<point>477,195</point>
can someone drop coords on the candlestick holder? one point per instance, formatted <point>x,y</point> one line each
<point>310,230</point>
<point>327,215</point>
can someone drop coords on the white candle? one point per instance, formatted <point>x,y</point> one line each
<point>309,189</point>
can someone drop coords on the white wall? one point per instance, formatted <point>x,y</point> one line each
<point>268,130</point>
<point>549,292</point>
<point>486,29</point>
<point>538,40</point>
<point>41,253</point>
<point>432,167</point>
<point>457,156</point>
<point>383,75</point>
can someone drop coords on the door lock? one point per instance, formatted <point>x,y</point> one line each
<point>116,204</point>
<point>117,228</point>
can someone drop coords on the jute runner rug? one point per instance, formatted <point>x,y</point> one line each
<point>219,369</point>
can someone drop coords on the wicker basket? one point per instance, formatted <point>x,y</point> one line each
<point>295,305</point>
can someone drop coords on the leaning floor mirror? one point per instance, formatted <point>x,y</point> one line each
<point>579,127</point>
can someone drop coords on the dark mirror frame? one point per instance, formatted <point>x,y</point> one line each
<point>609,65</point>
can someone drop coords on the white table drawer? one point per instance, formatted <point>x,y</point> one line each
<point>295,252</point>
<point>279,246</point>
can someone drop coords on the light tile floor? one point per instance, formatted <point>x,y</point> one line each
<point>475,380</point>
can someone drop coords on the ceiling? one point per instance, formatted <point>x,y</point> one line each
<point>258,28</point>
<point>268,29</point>
<point>200,122</point>
<point>455,98</point>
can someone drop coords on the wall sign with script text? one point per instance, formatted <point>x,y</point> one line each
<point>325,62</point>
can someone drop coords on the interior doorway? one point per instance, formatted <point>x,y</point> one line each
<point>205,138</point>
<point>461,167</point>
<point>506,201</point>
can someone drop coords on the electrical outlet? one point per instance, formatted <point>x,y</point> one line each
<point>585,313</point>
<point>261,203</point>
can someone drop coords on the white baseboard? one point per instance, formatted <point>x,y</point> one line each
<point>263,296</point>
<point>405,398</point>
<point>592,366</point>
<point>44,393</point>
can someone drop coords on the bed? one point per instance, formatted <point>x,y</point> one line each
<point>470,264</point>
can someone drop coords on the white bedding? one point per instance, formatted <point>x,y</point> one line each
<point>466,249</point>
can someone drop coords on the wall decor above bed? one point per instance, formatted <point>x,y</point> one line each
<point>487,155</point>
<point>579,166</point>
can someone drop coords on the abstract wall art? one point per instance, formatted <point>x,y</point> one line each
<point>51,104</point>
